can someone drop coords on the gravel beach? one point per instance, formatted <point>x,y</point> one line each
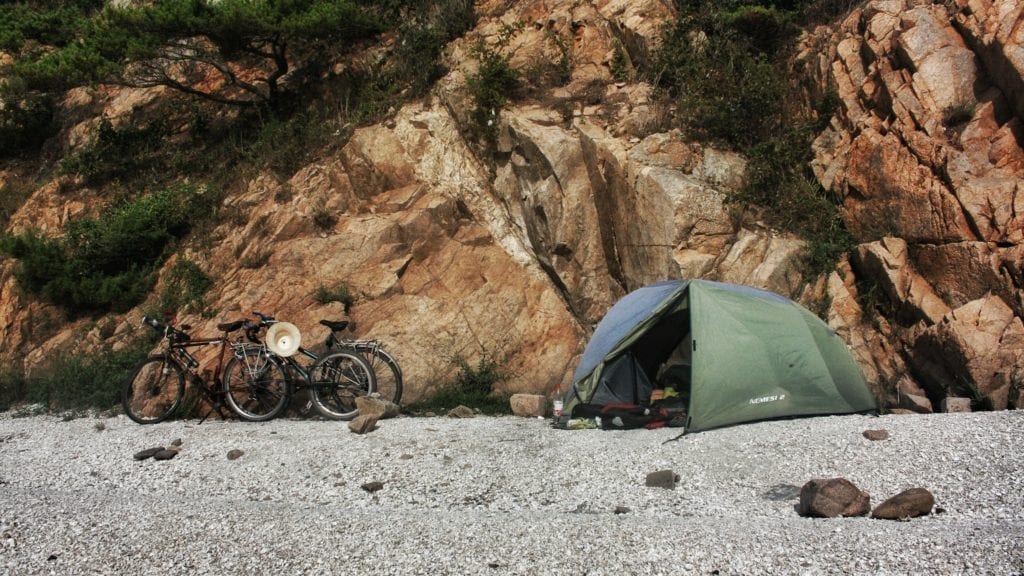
<point>503,495</point>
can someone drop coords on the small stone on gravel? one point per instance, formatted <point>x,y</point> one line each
<point>165,455</point>
<point>147,453</point>
<point>373,486</point>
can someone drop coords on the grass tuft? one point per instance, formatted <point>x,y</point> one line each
<point>473,386</point>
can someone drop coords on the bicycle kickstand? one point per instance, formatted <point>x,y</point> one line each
<point>205,416</point>
<point>221,411</point>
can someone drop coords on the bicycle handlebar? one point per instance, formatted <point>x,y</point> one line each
<point>169,332</point>
<point>252,329</point>
<point>264,318</point>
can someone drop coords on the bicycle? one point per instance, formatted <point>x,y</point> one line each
<point>385,366</point>
<point>386,370</point>
<point>335,380</point>
<point>157,386</point>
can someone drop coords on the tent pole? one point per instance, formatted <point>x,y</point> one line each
<point>676,438</point>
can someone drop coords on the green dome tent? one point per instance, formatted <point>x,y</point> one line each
<point>728,353</point>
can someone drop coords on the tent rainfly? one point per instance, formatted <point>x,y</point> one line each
<point>732,354</point>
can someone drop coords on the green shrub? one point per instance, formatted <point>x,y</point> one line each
<point>828,244</point>
<point>723,65</point>
<point>340,292</point>
<point>48,23</point>
<point>106,262</point>
<point>958,114</point>
<point>562,67</point>
<point>415,62</point>
<point>766,28</point>
<point>473,387</point>
<point>493,82</point>
<point>368,91</point>
<point>825,106</point>
<point>185,288</point>
<point>116,153</point>
<point>825,11</point>
<point>621,67</point>
<point>26,122</point>
<point>13,388</point>
<point>724,92</point>
<point>80,382</point>
<point>454,17</point>
<point>12,196</point>
<point>871,297</point>
<point>284,144</point>
<point>778,182</point>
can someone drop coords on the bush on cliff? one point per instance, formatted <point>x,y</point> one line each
<point>472,386</point>
<point>74,381</point>
<point>724,65</point>
<point>106,262</point>
<point>180,43</point>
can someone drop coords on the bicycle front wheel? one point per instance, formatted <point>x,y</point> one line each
<point>154,391</point>
<point>337,380</point>
<point>255,387</point>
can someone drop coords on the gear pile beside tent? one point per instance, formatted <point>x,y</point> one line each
<point>708,354</point>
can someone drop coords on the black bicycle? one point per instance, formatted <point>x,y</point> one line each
<point>157,386</point>
<point>258,386</point>
<point>385,367</point>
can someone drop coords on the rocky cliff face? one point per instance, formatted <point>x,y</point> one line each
<point>517,254</point>
<point>927,158</point>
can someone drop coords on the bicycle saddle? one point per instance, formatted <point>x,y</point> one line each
<point>335,325</point>
<point>230,326</point>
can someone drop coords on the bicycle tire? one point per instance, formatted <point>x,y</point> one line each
<point>155,390</point>
<point>387,372</point>
<point>255,387</point>
<point>336,380</point>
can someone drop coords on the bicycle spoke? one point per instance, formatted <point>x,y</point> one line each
<point>255,387</point>
<point>387,373</point>
<point>338,380</point>
<point>154,391</point>
<point>261,401</point>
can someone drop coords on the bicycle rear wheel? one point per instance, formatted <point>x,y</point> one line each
<point>337,380</point>
<point>154,391</point>
<point>387,373</point>
<point>255,387</point>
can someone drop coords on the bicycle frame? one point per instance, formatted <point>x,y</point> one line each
<point>334,379</point>
<point>291,362</point>
<point>209,384</point>
<point>368,350</point>
<point>373,352</point>
<point>178,351</point>
<point>285,361</point>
